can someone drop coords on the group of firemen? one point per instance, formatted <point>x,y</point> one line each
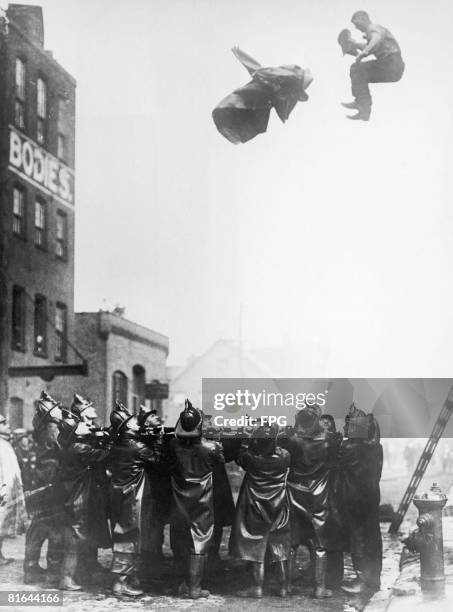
<point>118,487</point>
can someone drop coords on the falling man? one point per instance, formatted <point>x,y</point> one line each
<point>388,67</point>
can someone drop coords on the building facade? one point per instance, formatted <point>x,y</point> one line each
<point>223,359</point>
<point>37,136</point>
<point>44,345</point>
<point>127,363</point>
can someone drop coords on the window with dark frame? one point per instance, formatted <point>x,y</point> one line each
<point>61,235</point>
<point>19,211</point>
<point>61,331</point>
<point>41,110</point>
<point>40,223</point>
<point>61,138</point>
<point>119,388</point>
<point>40,325</point>
<point>19,103</point>
<point>18,319</point>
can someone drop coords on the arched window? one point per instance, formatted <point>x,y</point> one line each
<point>138,387</point>
<point>16,413</point>
<point>119,388</point>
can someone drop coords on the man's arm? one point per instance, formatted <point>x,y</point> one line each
<point>150,454</point>
<point>88,454</point>
<point>358,45</point>
<point>374,40</point>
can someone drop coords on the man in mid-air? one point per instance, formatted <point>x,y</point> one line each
<point>388,67</point>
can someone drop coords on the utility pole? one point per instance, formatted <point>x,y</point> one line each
<point>241,345</point>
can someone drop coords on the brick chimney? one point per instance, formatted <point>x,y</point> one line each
<point>28,18</point>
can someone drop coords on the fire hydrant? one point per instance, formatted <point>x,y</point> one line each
<point>428,539</point>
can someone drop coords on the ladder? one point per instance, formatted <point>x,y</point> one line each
<point>423,462</point>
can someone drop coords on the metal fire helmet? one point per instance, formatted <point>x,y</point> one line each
<point>428,539</point>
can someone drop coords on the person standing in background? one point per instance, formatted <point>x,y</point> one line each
<point>13,516</point>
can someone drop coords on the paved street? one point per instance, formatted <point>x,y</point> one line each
<point>222,589</point>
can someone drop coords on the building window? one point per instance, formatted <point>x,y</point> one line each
<point>61,331</point>
<point>61,147</point>
<point>19,115</point>
<point>19,108</point>
<point>41,110</point>
<point>62,232</point>
<point>18,319</point>
<point>40,224</point>
<point>62,123</point>
<point>19,212</point>
<point>119,388</point>
<point>156,404</point>
<point>40,325</point>
<point>138,387</point>
<point>16,413</point>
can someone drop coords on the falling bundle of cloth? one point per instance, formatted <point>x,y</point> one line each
<point>244,114</point>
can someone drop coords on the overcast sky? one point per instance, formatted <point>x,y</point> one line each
<point>321,228</point>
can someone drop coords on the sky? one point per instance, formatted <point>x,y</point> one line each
<point>322,228</point>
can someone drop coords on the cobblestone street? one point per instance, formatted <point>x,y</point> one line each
<point>222,590</point>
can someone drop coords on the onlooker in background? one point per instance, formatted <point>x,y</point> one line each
<point>24,454</point>
<point>12,513</point>
<point>411,455</point>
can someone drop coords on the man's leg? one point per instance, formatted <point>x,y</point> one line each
<point>34,539</point>
<point>69,565</point>
<point>180,543</point>
<point>55,553</point>
<point>89,569</point>
<point>335,569</point>
<point>256,590</point>
<point>124,568</point>
<point>360,79</point>
<point>386,70</point>
<point>284,578</point>
<point>357,549</point>
<point>4,560</point>
<point>197,565</point>
<point>372,562</point>
<point>321,591</point>
<point>214,547</point>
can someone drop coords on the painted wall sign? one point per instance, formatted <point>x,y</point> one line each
<point>39,167</point>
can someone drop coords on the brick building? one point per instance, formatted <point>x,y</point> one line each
<point>43,343</point>
<point>37,133</point>
<point>127,362</point>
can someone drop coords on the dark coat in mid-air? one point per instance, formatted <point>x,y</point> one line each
<point>245,113</point>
